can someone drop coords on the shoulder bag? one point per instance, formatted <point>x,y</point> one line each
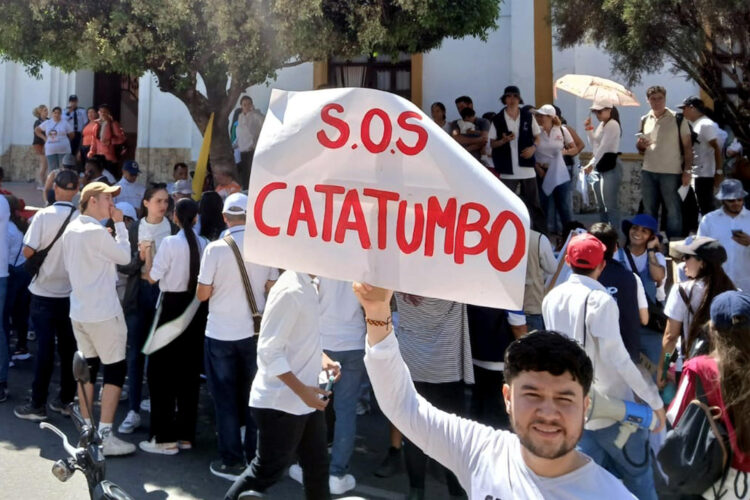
<point>246,282</point>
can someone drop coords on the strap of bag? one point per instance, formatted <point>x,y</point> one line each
<point>686,299</point>
<point>243,272</point>
<point>630,260</point>
<point>62,229</point>
<point>585,310</point>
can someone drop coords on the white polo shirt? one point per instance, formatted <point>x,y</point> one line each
<point>52,280</point>
<point>615,374</point>
<point>171,266</point>
<point>289,341</point>
<point>229,315</point>
<point>131,192</point>
<point>342,320</point>
<point>90,254</point>
<point>719,225</point>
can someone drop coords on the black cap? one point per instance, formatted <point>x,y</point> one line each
<point>695,102</point>
<point>511,89</point>
<point>72,97</point>
<point>67,179</point>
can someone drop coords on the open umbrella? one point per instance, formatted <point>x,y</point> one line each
<point>594,88</point>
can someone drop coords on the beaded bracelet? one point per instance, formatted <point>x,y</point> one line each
<point>377,322</point>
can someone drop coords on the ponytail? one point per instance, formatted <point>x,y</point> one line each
<point>185,212</point>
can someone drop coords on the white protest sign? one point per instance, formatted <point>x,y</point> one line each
<point>359,184</point>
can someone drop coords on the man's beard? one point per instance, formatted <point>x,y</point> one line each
<point>727,207</point>
<point>546,451</point>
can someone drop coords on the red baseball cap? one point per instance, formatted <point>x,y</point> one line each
<point>585,250</point>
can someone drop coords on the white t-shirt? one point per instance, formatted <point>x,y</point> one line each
<point>52,280</point>
<point>704,162</point>
<point>229,315</point>
<point>549,151</point>
<point>519,172</point>
<point>487,462</point>
<point>342,321</point>
<point>171,267</point>
<point>676,308</point>
<point>131,192</point>
<point>57,136</point>
<point>154,232</point>
<point>4,221</point>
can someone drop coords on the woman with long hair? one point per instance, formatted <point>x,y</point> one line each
<point>139,301</point>
<point>605,142</point>
<point>41,113</point>
<point>210,218</point>
<point>723,376</point>
<point>89,132</point>
<point>437,111</point>
<point>689,303</point>
<point>174,370</point>
<point>18,297</point>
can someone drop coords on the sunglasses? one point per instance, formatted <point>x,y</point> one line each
<point>686,258</point>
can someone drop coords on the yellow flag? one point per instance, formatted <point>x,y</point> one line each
<point>201,167</point>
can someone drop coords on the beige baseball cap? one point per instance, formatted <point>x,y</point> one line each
<point>95,188</point>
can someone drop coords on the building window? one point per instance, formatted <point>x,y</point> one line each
<point>374,72</point>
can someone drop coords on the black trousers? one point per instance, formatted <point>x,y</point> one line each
<point>704,191</point>
<point>281,437</point>
<point>448,397</point>
<point>487,404</point>
<point>174,374</point>
<point>529,193</point>
<point>245,166</point>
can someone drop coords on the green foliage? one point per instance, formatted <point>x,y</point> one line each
<point>709,40</point>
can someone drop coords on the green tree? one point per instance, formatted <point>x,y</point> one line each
<point>229,44</point>
<point>709,40</point>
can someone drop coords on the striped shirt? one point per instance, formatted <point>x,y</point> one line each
<point>433,337</point>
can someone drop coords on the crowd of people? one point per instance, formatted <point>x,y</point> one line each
<point>152,286</point>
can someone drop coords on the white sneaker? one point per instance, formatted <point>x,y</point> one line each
<point>132,422</point>
<point>159,448</point>
<point>146,405</point>
<point>340,485</point>
<point>295,472</point>
<point>114,446</point>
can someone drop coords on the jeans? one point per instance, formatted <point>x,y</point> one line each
<point>230,368</point>
<point>281,438</point>
<point>534,322</point>
<point>54,162</point>
<point>632,464</point>
<point>346,395</point>
<point>487,402</point>
<point>704,192</point>
<point>17,302</point>
<point>530,196</point>
<point>607,192</point>
<point>558,203</point>
<point>447,397</point>
<point>51,318</point>
<point>139,325</point>
<point>656,188</point>
<point>4,345</point>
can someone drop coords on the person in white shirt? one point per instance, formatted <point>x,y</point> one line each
<point>547,379</point>
<point>583,309</point>
<point>18,297</point>
<point>231,344</point>
<point>78,118</point>
<point>730,225</point>
<point>707,155</point>
<point>605,143</point>
<point>174,369</point>
<point>57,134</point>
<point>285,398</point>
<point>131,191</point>
<point>249,123</point>
<point>50,302</point>
<point>90,255</point>
<point>688,305</point>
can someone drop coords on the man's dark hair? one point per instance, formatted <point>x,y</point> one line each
<point>246,98</point>
<point>467,113</point>
<point>96,163</point>
<point>179,164</point>
<point>548,351</point>
<point>656,89</point>
<point>464,99</point>
<point>606,234</point>
<point>582,270</point>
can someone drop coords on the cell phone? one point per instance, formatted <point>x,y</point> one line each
<point>329,386</point>
<point>737,232</point>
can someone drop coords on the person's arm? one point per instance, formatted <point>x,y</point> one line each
<point>668,345</point>
<point>642,300</point>
<point>655,268</point>
<point>494,142</point>
<point>687,147</point>
<point>517,322</point>
<point>453,441</point>
<point>39,132</point>
<point>603,323</point>
<point>203,292</point>
<point>116,250</point>
<point>32,238</point>
<point>719,161</point>
<point>206,274</point>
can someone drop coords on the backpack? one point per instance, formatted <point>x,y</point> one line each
<point>679,117</point>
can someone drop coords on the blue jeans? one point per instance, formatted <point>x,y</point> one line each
<point>637,476</point>
<point>51,318</point>
<point>4,344</point>
<point>54,162</point>
<point>607,192</point>
<point>534,322</point>
<point>230,368</point>
<point>558,203</point>
<point>139,325</point>
<point>662,188</point>
<point>346,395</point>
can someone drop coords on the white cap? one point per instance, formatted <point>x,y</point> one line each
<point>602,103</point>
<point>547,110</point>
<point>127,209</point>
<point>183,186</point>
<point>235,204</point>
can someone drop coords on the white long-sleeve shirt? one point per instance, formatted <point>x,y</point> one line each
<point>606,139</point>
<point>487,462</point>
<point>615,374</point>
<point>289,341</point>
<point>90,254</point>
